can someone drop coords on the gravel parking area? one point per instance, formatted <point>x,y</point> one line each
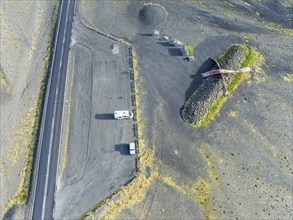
<point>98,160</point>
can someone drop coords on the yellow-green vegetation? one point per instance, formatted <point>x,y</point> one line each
<point>36,27</point>
<point>195,2</point>
<point>135,74</point>
<point>210,166</point>
<point>272,150</point>
<point>146,158</point>
<point>276,27</point>
<point>175,152</point>
<point>288,77</point>
<point>3,169</point>
<point>251,127</point>
<point>8,31</point>
<point>132,193</point>
<point>233,114</point>
<point>201,191</point>
<point>21,144</point>
<point>213,111</point>
<point>253,60</point>
<point>22,137</point>
<point>31,124</point>
<point>189,47</point>
<point>129,196</point>
<point>230,4</point>
<point>245,3</point>
<point>190,50</point>
<point>169,181</point>
<point>3,82</point>
<point>286,4</point>
<point>139,122</point>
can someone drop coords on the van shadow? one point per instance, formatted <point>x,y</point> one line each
<point>122,148</point>
<point>106,116</point>
<point>175,51</point>
<point>197,79</point>
<point>165,43</point>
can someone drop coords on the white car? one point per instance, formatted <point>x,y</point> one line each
<point>166,38</point>
<point>123,115</point>
<point>132,148</point>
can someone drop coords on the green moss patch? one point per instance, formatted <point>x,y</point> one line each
<point>190,50</point>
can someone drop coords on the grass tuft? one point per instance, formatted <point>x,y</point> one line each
<point>190,50</point>
<point>169,181</point>
<point>130,195</point>
<point>288,78</point>
<point>209,161</point>
<point>201,191</point>
<point>4,83</point>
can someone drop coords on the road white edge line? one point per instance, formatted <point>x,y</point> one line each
<point>44,117</point>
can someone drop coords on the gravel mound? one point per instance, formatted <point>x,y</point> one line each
<point>151,15</point>
<point>199,104</point>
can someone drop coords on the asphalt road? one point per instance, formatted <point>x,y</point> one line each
<point>43,192</point>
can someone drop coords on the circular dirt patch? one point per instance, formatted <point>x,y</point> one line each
<point>151,15</point>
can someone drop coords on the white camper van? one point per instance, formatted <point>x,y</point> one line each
<point>176,42</point>
<point>123,115</point>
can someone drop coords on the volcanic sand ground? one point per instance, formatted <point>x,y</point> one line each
<point>238,166</point>
<point>25,27</point>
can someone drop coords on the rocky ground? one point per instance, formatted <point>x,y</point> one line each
<point>240,165</point>
<point>25,27</point>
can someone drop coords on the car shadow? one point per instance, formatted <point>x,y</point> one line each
<point>105,116</point>
<point>123,149</point>
<point>145,35</point>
